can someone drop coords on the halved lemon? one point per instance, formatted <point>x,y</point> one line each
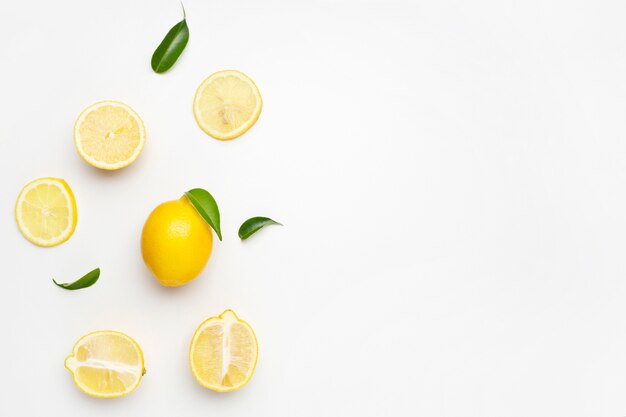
<point>227,104</point>
<point>106,364</point>
<point>109,135</point>
<point>45,211</point>
<point>223,353</point>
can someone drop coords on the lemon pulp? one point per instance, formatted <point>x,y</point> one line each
<point>45,211</point>
<point>223,353</point>
<point>109,135</point>
<point>106,364</point>
<point>227,104</point>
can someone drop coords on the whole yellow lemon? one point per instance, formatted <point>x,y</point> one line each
<point>176,242</point>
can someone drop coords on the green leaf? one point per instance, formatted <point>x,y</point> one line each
<point>205,204</point>
<point>253,225</point>
<point>86,281</point>
<point>171,46</point>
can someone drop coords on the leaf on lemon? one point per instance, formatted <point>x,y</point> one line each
<point>86,281</point>
<point>205,204</point>
<point>253,225</point>
<point>171,47</point>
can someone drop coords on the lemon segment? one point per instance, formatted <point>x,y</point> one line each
<point>45,211</point>
<point>227,104</point>
<point>106,364</point>
<point>109,135</point>
<point>223,353</point>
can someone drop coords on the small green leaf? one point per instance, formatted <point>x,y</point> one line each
<point>205,204</point>
<point>253,225</point>
<point>87,281</point>
<point>171,46</point>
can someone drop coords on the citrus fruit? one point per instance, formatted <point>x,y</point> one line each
<point>176,242</point>
<point>45,211</point>
<point>223,353</point>
<point>227,104</point>
<point>109,135</point>
<point>106,364</point>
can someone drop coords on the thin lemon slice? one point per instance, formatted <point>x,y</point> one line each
<point>227,104</point>
<point>109,135</point>
<point>223,353</point>
<point>45,211</point>
<point>106,364</point>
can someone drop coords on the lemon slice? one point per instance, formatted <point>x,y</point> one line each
<point>223,353</point>
<point>45,211</point>
<point>109,135</point>
<point>227,104</point>
<point>106,364</point>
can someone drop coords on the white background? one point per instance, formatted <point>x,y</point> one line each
<point>451,176</point>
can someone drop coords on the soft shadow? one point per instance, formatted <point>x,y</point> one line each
<point>97,173</point>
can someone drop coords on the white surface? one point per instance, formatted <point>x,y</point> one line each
<point>451,176</point>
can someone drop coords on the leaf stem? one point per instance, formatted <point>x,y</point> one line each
<point>184,13</point>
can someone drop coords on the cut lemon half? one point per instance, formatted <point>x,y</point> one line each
<point>45,211</point>
<point>227,104</point>
<point>109,135</point>
<point>106,364</point>
<point>223,353</point>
